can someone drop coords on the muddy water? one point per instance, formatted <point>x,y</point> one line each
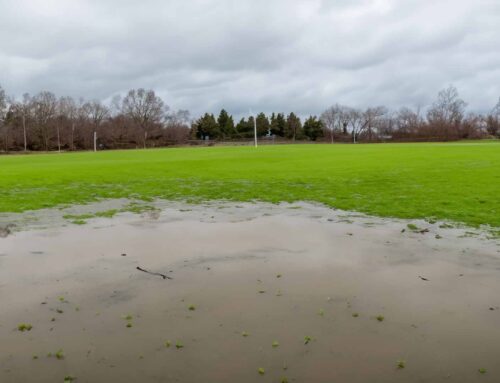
<point>275,273</point>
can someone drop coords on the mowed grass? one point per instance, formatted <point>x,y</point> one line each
<point>453,181</point>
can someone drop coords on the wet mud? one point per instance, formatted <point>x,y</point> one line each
<point>255,293</point>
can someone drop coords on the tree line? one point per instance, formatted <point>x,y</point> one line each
<point>142,119</point>
<point>446,119</point>
<point>45,122</point>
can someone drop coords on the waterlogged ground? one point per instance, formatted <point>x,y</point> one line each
<point>301,292</point>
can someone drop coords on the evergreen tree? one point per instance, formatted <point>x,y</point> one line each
<point>262,125</point>
<point>244,128</point>
<point>293,128</point>
<point>207,126</point>
<point>313,128</point>
<point>279,125</point>
<point>226,124</point>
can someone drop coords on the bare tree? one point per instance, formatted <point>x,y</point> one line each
<point>373,118</point>
<point>68,113</point>
<point>24,111</point>
<point>3,117</point>
<point>44,106</point>
<point>96,112</point>
<point>144,108</point>
<point>447,112</point>
<point>3,105</point>
<point>493,120</point>
<point>356,121</point>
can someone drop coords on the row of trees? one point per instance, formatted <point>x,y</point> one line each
<point>45,122</point>
<point>142,119</point>
<point>277,125</point>
<point>446,119</point>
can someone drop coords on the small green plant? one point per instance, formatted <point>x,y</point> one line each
<point>446,226</point>
<point>380,318</point>
<point>262,291</point>
<point>261,371</point>
<point>59,311</point>
<point>69,379</point>
<point>128,317</point>
<point>482,371</point>
<point>61,299</point>
<point>321,312</point>
<point>307,339</point>
<point>245,334</point>
<point>24,327</point>
<point>412,227</point>
<point>167,344</point>
<point>178,345</point>
<point>192,307</point>
<point>35,357</point>
<point>278,276</point>
<point>355,315</point>
<point>401,364</point>
<point>275,344</point>
<point>129,325</point>
<point>284,379</point>
<point>58,355</point>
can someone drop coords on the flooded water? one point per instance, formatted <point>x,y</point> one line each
<point>303,292</point>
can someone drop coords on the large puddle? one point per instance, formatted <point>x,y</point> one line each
<point>302,292</point>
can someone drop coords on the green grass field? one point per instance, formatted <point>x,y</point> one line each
<point>453,181</point>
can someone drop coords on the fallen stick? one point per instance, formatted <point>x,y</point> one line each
<point>150,272</point>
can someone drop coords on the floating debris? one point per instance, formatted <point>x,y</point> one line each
<point>307,339</point>
<point>380,318</point>
<point>261,371</point>
<point>401,364</point>
<point>275,344</point>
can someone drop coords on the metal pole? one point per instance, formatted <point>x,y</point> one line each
<point>95,141</point>
<point>255,129</point>
<point>24,133</point>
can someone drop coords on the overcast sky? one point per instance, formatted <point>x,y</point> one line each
<point>268,55</point>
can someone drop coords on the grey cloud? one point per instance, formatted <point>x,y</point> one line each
<point>279,55</point>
